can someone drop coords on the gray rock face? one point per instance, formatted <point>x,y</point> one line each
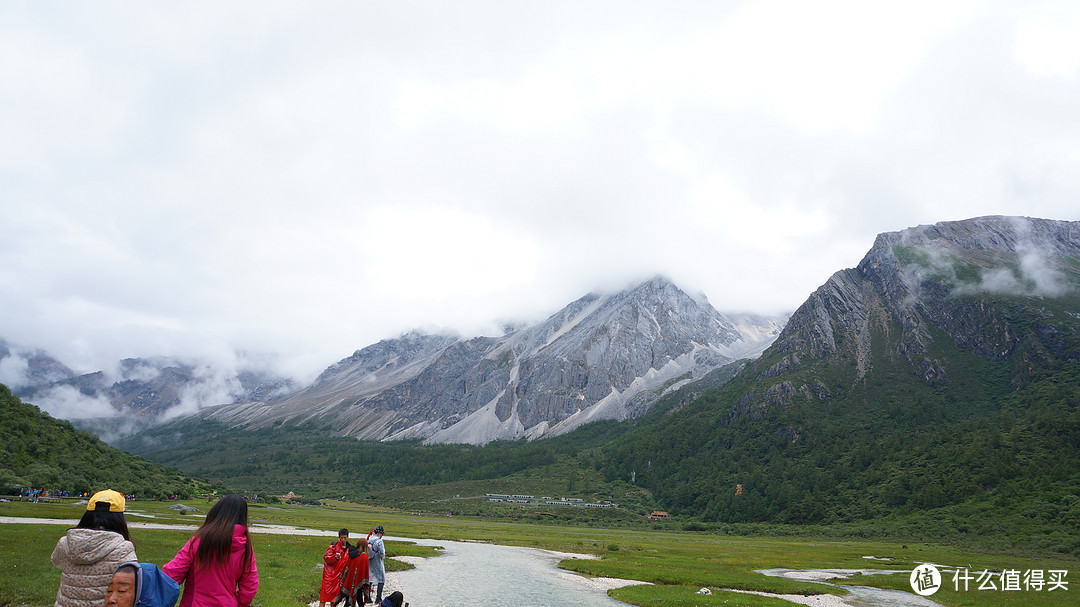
<point>600,357</point>
<point>149,387</point>
<point>27,369</point>
<point>990,285</point>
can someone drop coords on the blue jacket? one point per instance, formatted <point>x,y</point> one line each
<point>153,588</point>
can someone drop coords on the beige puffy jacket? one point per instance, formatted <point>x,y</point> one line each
<point>87,559</point>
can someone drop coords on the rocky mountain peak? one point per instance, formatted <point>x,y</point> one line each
<point>389,354</point>
<point>990,285</point>
<point>601,356</point>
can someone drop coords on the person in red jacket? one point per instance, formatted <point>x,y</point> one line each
<point>334,562</point>
<point>217,565</point>
<point>355,578</point>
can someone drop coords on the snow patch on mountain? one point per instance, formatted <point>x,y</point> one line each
<point>601,357</point>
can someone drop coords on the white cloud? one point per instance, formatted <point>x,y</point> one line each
<point>1046,40</point>
<point>66,402</point>
<point>822,65</point>
<point>1035,278</point>
<point>212,386</point>
<point>59,105</point>
<point>310,180</point>
<point>14,371</point>
<point>140,373</point>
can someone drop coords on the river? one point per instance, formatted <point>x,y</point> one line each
<point>488,575</point>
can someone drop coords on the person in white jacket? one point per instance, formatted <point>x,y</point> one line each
<point>376,552</point>
<point>88,555</point>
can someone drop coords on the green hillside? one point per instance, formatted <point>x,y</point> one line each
<point>880,449</point>
<point>960,407</point>
<point>933,389</point>
<point>308,460</point>
<point>995,449</point>
<point>998,465</point>
<point>40,452</point>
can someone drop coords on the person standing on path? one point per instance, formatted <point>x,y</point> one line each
<point>335,561</point>
<point>375,562</point>
<point>88,555</point>
<point>217,565</point>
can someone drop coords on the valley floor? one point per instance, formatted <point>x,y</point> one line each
<point>676,564</point>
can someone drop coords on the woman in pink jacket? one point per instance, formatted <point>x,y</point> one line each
<point>217,565</point>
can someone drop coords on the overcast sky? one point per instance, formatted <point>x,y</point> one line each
<point>307,178</point>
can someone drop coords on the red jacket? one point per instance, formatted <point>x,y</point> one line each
<point>333,565</point>
<point>356,572</point>
<point>224,584</point>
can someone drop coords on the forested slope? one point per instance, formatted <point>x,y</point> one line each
<point>40,452</point>
<point>309,460</point>
<point>912,449</point>
<point>941,375</point>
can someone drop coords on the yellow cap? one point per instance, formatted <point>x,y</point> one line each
<point>115,501</point>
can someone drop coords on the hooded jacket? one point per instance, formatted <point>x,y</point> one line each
<point>87,559</point>
<point>335,561</point>
<point>375,561</point>
<point>356,571</point>
<point>152,587</point>
<point>220,584</point>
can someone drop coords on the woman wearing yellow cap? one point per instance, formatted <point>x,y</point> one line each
<point>88,555</point>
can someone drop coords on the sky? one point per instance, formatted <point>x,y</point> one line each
<point>305,179</point>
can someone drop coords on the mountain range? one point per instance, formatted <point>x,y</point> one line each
<point>138,392</point>
<point>604,356</point>
<point>935,386</point>
<point>943,370</point>
<point>600,357</point>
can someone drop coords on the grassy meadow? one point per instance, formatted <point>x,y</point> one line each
<point>677,562</point>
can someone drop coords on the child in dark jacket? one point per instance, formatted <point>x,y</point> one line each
<point>395,599</point>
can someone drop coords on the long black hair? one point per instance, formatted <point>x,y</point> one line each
<point>101,518</point>
<point>216,533</point>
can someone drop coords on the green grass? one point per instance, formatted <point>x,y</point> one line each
<point>687,596</point>
<point>26,575</point>
<point>290,567</point>
<point>677,563</point>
